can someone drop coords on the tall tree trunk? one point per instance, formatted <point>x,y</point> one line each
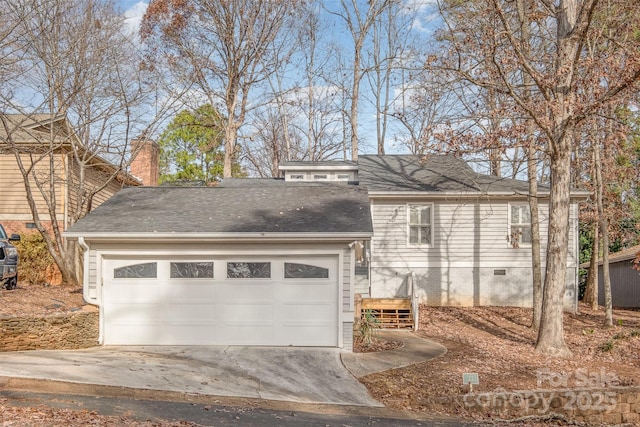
<point>551,333</point>
<point>532,173</point>
<point>355,93</point>
<point>604,231</point>
<point>536,263</point>
<point>591,290</point>
<point>230,135</point>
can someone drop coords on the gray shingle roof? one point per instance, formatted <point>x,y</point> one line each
<point>399,173</point>
<point>274,182</point>
<point>264,209</point>
<point>628,255</point>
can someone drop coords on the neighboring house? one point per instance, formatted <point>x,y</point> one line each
<point>279,261</point>
<point>46,143</point>
<point>625,280</point>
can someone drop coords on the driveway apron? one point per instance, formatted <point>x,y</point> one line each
<point>306,375</point>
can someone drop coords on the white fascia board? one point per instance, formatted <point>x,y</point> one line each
<point>220,237</point>
<point>319,168</point>
<point>579,194</point>
<point>443,194</point>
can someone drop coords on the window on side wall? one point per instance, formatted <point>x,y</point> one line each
<point>420,224</point>
<point>519,225</point>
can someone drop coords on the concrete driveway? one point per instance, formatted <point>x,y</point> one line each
<point>306,375</point>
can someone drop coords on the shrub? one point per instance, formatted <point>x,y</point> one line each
<point>619,336</point>
<point>36,263</point>
<point>366,326</point>
<point>606,347</point>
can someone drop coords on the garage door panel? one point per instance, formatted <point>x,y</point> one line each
<point>239,292</point>
<point>307,293</point>
<point>195,334</point>
<point>165,335</point>
<point>134,292</point>
<point>190,313</point>
<point>172,310</point>
<point>203,294</point>
<point>250,334</point>
<point>245,313</point>
<point>289,331</point>
<point>302,312</point>
<point>134,314</point>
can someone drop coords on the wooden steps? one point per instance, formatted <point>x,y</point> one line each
<point>391,313</point>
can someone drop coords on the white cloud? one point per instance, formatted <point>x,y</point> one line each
<point>424,14</point>
<point>133,16</point>
<point>412,6</point>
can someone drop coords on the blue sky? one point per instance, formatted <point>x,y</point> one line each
<point>135,9</point>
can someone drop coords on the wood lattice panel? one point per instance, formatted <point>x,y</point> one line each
<point>391,313</point>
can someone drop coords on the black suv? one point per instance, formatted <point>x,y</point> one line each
<point>8,260</point>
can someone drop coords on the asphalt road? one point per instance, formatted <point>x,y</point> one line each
<point>215,414</point>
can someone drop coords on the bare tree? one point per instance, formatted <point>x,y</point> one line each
<point>426,101</point>
<point>78,81</point>
<point>224,47</point>
<point>320,98</point>
<point>557,106</point>
<point>359,23</point>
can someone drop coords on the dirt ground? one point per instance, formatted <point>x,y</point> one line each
<point>38,300</point>
<point>495,342</point>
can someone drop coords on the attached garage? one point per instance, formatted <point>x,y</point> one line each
<point>242,300</point>
<point>268,266</point>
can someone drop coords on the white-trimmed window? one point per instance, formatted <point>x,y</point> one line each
<point>420,224</point>
<point>519,225</point>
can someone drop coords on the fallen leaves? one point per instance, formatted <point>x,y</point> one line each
<point>497,343</point>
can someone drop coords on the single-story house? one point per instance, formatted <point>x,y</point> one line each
<point>625,280</point>
<point>279,261</point>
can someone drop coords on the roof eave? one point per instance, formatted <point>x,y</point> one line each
<point>465,194</point>
<point>218,237</point>
<point>318,167</point>
<point>440,194</point>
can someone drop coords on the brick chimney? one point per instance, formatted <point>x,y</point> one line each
<point>145,161</point>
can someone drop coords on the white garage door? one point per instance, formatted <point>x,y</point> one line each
<point>274,301</point>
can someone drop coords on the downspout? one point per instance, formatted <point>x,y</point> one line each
<point>65,193</point>
<point>576,256</point>
<point>85,286</point>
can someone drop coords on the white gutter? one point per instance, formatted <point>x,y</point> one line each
<point>85,271</point>
<point>198,236</point>
<point>461,194</point>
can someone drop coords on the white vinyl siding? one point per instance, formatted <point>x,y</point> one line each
<point>463,232</point>
<point>467,256</point>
